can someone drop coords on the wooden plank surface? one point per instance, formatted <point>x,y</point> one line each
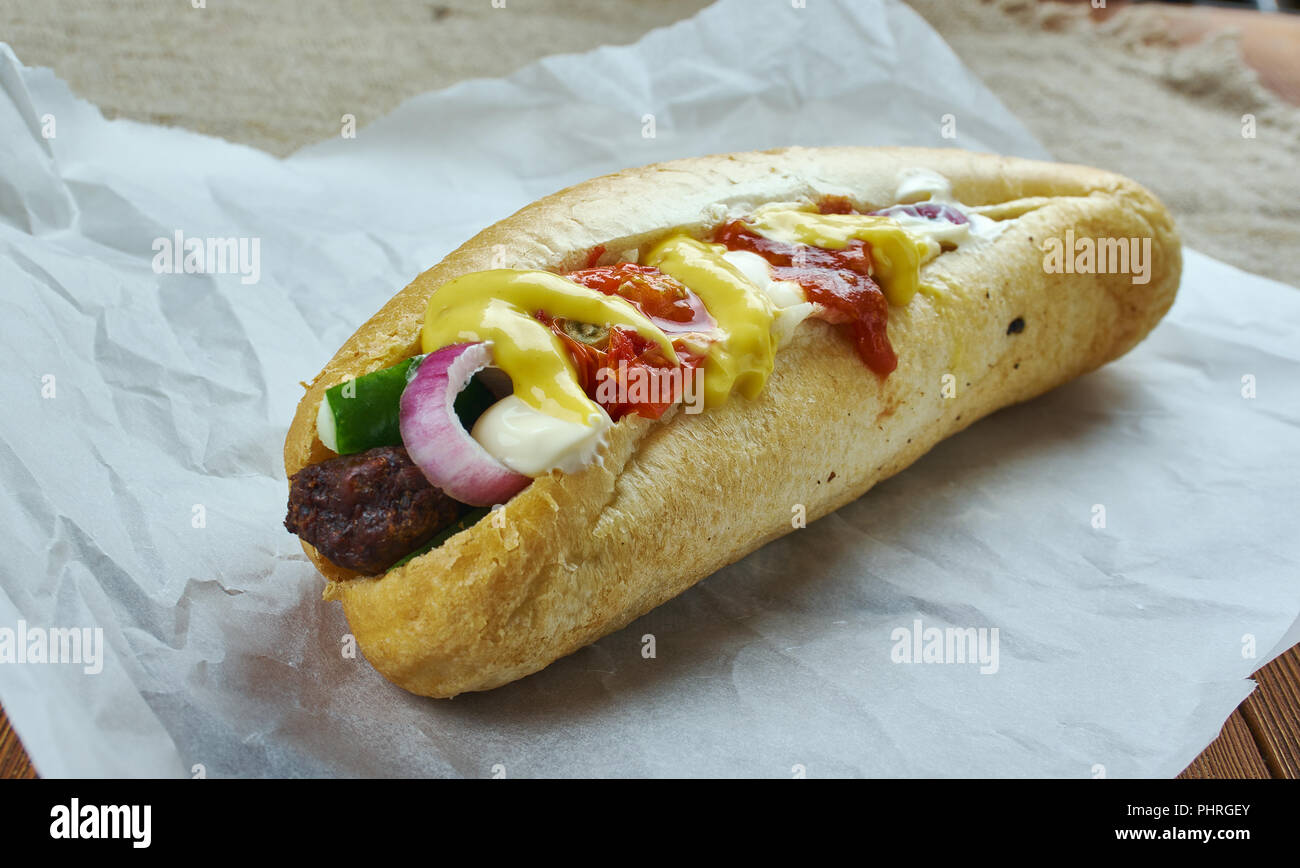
<point>1260,740</point>
<point>13,759</point>
<point>1233,754</point>
<point>1273,714</point>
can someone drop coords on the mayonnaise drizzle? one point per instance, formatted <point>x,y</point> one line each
<point>531,442</point>
<point>920,185</point>
<point>786,295</point>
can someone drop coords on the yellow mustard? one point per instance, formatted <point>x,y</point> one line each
<point>896,254</point>
<point>498,306</point>
<point>742,358</point>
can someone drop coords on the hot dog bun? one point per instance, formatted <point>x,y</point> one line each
<point>574,557</point>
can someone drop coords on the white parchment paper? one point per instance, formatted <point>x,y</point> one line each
<point>1121,649</point>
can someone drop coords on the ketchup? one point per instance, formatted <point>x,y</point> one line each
<point>839,280</point>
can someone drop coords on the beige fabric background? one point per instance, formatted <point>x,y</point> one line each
<point>278,75</point>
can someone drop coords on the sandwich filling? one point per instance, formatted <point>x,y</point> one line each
<point>524,372</point>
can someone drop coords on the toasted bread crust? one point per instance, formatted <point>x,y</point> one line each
<point>574,557</point>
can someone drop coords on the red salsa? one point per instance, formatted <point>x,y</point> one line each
<point>839,280</point>
<point>666,301</point>
<point>625,363</point>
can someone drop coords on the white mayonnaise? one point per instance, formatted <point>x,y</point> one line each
<point>532,443</point>
<point>920,185</point>
<point>917,185</point>
<point>325,429</point>
<point>786,296</point>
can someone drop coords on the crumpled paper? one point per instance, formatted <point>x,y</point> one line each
<point>145,414</point>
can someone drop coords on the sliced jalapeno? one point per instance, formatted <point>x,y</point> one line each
<point>591,334</point>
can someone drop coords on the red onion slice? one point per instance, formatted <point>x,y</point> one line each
<point>927,211</point>
<point>436,440</point>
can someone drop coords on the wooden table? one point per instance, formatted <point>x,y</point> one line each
<point>1260,740</point>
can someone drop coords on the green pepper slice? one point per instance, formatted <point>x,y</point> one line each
<point>364,413</point>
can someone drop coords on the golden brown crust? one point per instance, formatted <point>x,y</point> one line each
<point>575,557</point>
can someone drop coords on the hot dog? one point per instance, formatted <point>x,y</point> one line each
<point>635,381</point>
